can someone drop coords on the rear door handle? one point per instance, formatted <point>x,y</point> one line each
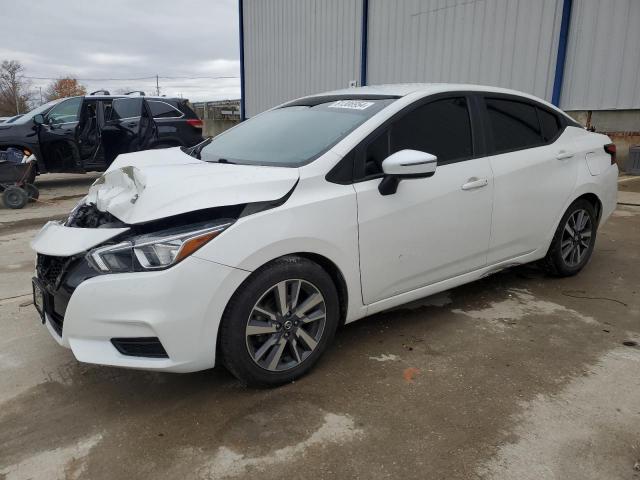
<point>564,155</point>
<point>474,183</point>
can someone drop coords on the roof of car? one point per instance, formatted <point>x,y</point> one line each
<point>404,89</point>
<point>148,97</point>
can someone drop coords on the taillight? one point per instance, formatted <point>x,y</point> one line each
<point>610,148</point>
<point>195,122</point>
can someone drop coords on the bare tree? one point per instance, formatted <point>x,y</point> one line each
<point>14,89</point>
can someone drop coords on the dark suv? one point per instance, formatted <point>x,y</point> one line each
<point>81,134</point>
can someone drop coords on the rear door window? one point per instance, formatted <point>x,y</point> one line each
<point>126,108</point>
<point>514,125</point>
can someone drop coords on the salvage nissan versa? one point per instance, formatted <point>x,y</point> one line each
<point>250,249</point>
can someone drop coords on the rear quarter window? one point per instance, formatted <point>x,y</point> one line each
<point>160,109</point>
<point>550,124</point>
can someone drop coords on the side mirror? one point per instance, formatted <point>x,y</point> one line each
<point>405,164</point>
<point>38,119</point>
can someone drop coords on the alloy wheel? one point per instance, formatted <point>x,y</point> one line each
<point>576,238</point>
<point>285,325</point>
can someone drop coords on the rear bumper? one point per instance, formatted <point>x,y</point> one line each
<point>181,306</point>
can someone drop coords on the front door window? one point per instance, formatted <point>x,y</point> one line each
<point>65,112</point>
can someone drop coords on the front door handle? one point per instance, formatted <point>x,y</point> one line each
<point>474,183</point>
<point>563,155</point>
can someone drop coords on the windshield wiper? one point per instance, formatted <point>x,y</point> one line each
<point>196,149</point>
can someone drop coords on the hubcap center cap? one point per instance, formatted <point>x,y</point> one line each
<point>288,325</point>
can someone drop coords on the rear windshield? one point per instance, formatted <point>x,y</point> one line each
<point>291,136</point>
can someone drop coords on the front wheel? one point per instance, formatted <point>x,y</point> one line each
<point>15,197</point>
<point>279,322</point>
<point>573,241</point>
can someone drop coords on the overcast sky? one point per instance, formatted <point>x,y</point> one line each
<point>113,39</point>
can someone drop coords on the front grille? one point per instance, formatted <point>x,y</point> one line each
<point>140,347</point>
<point>51,273</point>
<point>50,269</point>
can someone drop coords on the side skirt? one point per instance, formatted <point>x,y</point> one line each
<point>446,284</point>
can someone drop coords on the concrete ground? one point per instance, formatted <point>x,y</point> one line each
<point>517,376</point>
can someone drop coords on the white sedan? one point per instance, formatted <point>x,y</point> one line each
<point>252,248</point>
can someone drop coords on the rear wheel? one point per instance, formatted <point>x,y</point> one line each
<point>280,321</point>
<point>14,197</point>
<point>573,241</point>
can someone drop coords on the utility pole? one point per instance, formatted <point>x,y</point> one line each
<point>157,86</point>
<point>41,102</point>
<point>15,92</point>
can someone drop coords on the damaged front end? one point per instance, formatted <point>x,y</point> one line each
<point>143,220</point>
<point>87,215</point>
<point>93,243</point>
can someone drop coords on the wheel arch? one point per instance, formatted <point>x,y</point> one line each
<point>325,263</point>
<point>586,194</point>
<point>328,265</point>
<point>594,200</point>
<point>336,275</point>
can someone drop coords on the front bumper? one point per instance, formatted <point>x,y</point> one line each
<point>181,306</point>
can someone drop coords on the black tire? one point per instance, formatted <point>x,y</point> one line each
<point>235,341</point>
<point>32,192</point>
<point>561,259</point>
<point>15,197</point>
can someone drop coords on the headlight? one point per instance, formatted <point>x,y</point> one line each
<point>155,251</point>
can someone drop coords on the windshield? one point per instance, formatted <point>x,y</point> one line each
<point>291,136</point>
<point>28,116</point>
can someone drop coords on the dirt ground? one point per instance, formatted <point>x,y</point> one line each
<point>518,376</point>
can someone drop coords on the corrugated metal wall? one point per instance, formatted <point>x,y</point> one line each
<point>294,48</point>
<point>507,43</point>
<point>603,56</point>
<point>298,47</point>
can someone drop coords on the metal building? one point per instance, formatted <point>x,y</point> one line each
<point>583,55</point>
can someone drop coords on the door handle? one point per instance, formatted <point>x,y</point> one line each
<point>562,155</point>
<point>474,183</point>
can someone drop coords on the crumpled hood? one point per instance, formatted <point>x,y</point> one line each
<point>153,184</point>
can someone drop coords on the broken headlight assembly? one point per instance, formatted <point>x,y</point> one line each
<point>155,251</point>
